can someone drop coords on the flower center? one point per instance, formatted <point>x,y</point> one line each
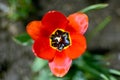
<point>60,39</point>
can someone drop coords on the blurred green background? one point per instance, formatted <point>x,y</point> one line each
<point>101,61</point>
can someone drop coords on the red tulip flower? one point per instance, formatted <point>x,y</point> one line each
<point>59,39</point>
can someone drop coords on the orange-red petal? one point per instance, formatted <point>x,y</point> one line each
<point>60,65</point>
<point>42,49</point>
<point>53,20</point>
<point>36,30</point>
<point>33,29</point>
<point>78,22</point>
<point>78,46</point>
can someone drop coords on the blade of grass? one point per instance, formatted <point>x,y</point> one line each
<point>113,71</point>
<point>104,77</point>
<point>113,77</point>
<point>94,7</point>
<point>85,67</point>
<point>99,28</point>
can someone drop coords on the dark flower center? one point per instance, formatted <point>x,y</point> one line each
<point>60,39</point>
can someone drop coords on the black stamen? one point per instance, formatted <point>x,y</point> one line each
<point>60,39</point>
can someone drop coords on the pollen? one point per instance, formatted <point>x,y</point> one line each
<point>60,39</point>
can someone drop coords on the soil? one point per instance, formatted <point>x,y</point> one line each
<point>15,60</point>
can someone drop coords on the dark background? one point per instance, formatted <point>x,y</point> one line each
<point>15,60</point>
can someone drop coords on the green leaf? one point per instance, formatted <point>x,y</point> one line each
<point>94,7</point>
<point>79,76</point>
<point>19,9</point>
<point>38,64</point>
<point>94,68</point>
<point>113,78</point>
<point>43,75</point>
<point>115,72</point>
<point>83,65</point>
<point>104,76</point>
<point>23,39</point>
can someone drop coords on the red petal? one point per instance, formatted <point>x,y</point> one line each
<point>78,46</point>
<point>42,49</point>
<point>60,65</point>
<point>78,22</point>
<point>53,20</point>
